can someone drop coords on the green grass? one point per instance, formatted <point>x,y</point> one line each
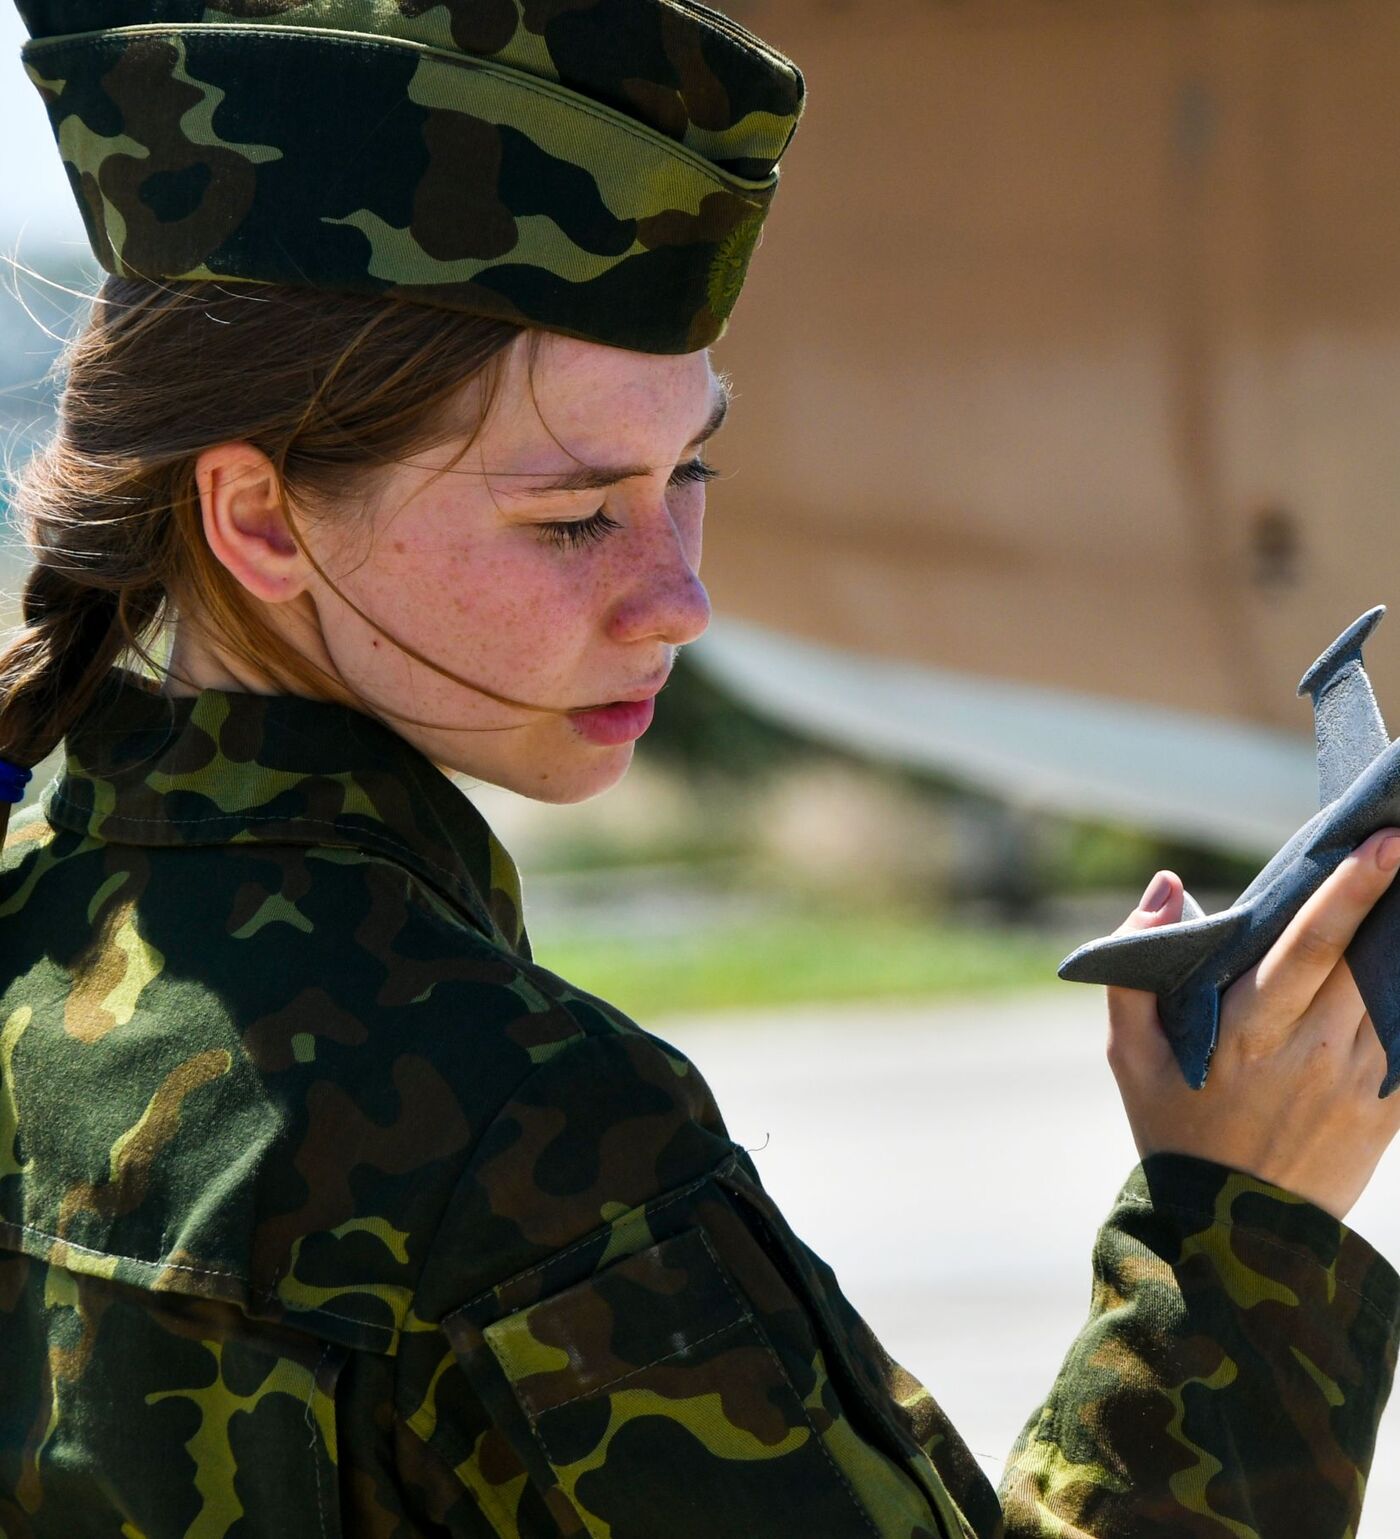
<point>796,958</point>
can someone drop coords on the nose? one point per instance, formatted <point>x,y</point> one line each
<point>663,598</point>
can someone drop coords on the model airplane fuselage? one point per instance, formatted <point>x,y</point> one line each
<point>1188,965</point>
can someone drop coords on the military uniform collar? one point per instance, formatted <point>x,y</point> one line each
<point>224,767</point>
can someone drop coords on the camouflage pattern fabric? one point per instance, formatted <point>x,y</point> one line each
<point>325,1210</point>
<point>597,167</point>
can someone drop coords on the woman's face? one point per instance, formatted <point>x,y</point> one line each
<point>570,595</point>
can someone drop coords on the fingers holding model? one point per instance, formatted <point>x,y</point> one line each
<point>1292,1092</point>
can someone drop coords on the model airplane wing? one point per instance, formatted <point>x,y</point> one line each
<point>1157,960</point>
<point>1348,722</point>
<point>1178,965</point>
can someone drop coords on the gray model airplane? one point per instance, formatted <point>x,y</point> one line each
<point>1188,965</point>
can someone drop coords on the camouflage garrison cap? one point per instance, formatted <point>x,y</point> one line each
<point>596,167</point>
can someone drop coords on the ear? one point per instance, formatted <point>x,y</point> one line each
<point>244,523</point>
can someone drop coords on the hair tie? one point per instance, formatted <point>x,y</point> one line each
<point>13,779</point>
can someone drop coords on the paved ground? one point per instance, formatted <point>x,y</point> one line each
<point>952,1164</point>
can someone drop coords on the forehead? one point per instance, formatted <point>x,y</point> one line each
<point>581,401</point>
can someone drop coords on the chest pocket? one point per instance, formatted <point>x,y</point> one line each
<point>683,1391</point>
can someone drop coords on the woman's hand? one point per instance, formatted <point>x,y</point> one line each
<point>1292,1092</point>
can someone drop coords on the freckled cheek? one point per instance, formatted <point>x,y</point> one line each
<point>524,616</point>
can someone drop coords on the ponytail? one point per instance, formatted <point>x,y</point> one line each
<point>50,671</point>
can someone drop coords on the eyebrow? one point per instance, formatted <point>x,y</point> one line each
<point>590,478</point>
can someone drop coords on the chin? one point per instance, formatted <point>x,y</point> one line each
<point>565,784</point>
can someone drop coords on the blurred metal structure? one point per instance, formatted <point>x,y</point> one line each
<point>1074,354</point>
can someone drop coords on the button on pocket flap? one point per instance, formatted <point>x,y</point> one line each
<point>655,1305</point>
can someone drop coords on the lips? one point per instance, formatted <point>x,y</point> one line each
<point>621,721</point>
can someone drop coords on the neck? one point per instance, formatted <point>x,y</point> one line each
<point>198,662</point>
<point>195,665</point>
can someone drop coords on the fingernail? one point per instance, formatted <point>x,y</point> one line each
<point>1388,856</point>
<point>1159,889</point>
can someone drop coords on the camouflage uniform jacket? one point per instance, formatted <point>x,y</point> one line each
<point>324,1210</point>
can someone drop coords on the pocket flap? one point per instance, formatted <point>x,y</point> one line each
<point>658,1304</point>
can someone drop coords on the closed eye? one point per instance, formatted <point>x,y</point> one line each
<point>566,534</point>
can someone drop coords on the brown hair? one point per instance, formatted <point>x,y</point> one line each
<point>327,385</point>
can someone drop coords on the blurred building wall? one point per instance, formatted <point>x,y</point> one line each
<point>1072,351</point>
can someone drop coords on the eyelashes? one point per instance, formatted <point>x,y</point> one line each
<point>583,531</point>
<point>575,533</point>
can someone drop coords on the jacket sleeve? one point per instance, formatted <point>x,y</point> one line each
<point>1230,1378</point>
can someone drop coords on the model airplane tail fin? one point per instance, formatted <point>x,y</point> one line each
<point>1159,960</point>
<point>1350,729</point>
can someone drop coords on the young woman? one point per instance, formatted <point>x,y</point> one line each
<point>324,1209</point>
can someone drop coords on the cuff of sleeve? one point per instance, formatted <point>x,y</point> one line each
<point>1262,1234</point>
